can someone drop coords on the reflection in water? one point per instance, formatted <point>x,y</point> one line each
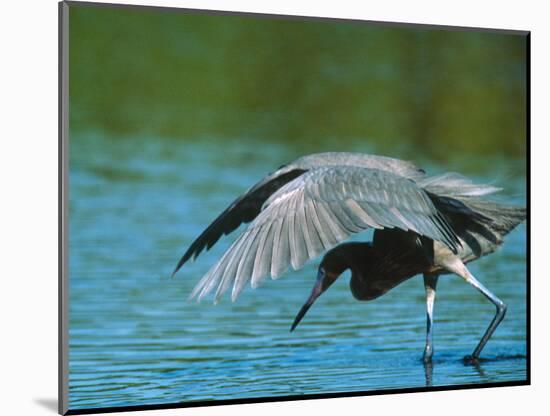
<point>429,372</point>
<point>475,364</point>
<point>135,205</point>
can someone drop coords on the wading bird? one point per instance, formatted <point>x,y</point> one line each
<point>422,225</point>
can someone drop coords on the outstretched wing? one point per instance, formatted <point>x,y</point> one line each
<point>316,211</point>
<point>243,210</point>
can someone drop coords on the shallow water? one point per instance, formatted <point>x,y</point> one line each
<point>135,206</point>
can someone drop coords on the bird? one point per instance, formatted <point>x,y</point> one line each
<point>423,225</point>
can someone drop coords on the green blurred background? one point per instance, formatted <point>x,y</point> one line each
<point>187,76</point>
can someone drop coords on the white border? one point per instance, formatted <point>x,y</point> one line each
<point>29,204</point>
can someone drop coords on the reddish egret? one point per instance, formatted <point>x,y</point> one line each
<point>423,225</point>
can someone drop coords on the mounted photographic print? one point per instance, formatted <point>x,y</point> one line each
<point>266,208</point>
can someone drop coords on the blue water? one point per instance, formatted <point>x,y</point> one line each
<point>135,206</point>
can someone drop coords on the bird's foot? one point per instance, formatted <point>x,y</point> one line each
<point>471,359</point>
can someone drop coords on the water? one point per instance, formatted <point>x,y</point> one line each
<point>135,206</point>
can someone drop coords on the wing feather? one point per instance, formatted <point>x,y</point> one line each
<point>304,229</point>
<point>281,256</point>
<point>209,281</point>
<point>331,223</point>
<point>228,276</point>
<point>262,260</point>
<point>362,214</point>
<point>326,238</point>
<point>315,245</point>
<point>244,270</point>
<point>296,250</point>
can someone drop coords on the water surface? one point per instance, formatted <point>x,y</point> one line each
<point>135,206</point>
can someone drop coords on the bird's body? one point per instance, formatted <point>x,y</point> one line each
<point>423,225</point>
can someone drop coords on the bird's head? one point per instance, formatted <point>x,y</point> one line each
<point>334,263</point>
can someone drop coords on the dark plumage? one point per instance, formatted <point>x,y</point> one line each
<point>428,225</point>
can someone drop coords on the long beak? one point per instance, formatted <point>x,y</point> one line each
<point>315,293</point>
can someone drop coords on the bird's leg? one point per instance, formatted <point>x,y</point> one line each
<point>499,315</point>
<point>430,283</point>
